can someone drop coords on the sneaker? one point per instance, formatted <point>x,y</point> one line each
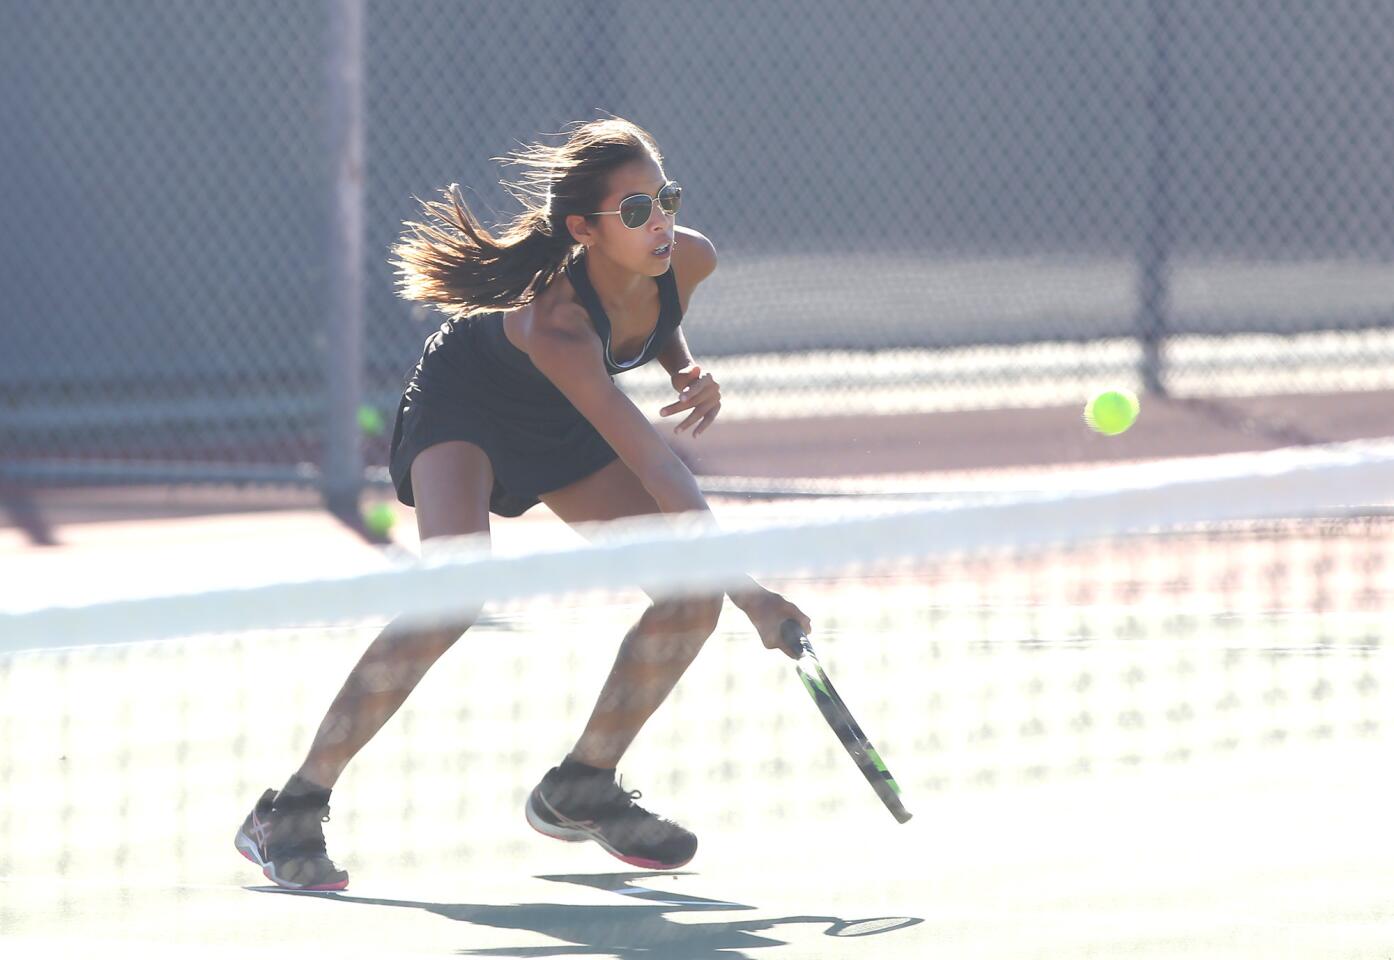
<point>283,836</point>
<point>595,807</point>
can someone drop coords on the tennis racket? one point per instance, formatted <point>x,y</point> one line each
<point>834,711</point>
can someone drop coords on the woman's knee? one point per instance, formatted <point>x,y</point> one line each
<point>416,639</point>
<point>694,618</point>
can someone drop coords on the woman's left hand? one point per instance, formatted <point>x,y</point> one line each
<point>698,392</point>
<point>767,610</point>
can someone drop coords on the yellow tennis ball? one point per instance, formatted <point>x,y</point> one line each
<point>379,519</point>
<point>1112,411</point>
<point>370,421</point>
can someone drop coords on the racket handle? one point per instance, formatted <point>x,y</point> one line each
<point>794,640</point>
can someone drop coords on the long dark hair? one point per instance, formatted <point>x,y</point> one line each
<point>452,261</point>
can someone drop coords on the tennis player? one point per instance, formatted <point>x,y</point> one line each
<point>514,403</point>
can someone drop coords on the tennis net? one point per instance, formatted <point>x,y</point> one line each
<point>1141,616</point>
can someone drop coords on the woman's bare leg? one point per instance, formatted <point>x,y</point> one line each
<point>451,482</point>
<point>653,657</point>
<point>657,650</point>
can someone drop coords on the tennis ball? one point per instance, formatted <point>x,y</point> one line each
<point>379,519</point>
<point>1111,412</point>
<point>370,420</point>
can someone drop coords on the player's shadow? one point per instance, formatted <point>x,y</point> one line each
<point>635,932</point>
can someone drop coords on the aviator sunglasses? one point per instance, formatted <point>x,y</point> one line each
<point>635,211</point>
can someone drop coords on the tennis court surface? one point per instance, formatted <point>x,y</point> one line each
<point>1137,711</point>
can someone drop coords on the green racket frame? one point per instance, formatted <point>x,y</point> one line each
<point>816,682</point>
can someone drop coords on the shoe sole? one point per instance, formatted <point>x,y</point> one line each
<point>248,848</point>
<point>580,834</point>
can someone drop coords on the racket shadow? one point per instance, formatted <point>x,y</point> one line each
<point>634,931</point>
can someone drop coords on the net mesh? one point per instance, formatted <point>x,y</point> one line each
<point>1146,618</point>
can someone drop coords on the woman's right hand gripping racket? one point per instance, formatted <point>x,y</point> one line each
<point>868,761</point>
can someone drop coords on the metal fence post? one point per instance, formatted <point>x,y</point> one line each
<point>1154,244</point>
<point>342,467</point>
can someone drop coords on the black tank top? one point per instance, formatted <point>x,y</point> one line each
<point>669,314</point>
<point>473,384</point>
<point>514,375</point>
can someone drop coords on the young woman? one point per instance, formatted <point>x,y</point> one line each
<point>513,403</point>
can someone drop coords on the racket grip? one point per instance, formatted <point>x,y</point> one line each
<point>793,638</point>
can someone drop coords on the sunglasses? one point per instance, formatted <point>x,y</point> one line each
<point>635,211</point>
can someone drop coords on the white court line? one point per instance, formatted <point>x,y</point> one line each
<point>57,880</point>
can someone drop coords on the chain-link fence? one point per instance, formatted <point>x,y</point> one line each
<point>944,203</point>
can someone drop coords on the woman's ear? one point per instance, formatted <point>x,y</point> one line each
<point>581,231</point>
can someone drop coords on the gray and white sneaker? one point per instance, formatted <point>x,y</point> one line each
<point>577,807</point>
<point>283,836</point>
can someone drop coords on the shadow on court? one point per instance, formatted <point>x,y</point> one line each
<point>641,930</point>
